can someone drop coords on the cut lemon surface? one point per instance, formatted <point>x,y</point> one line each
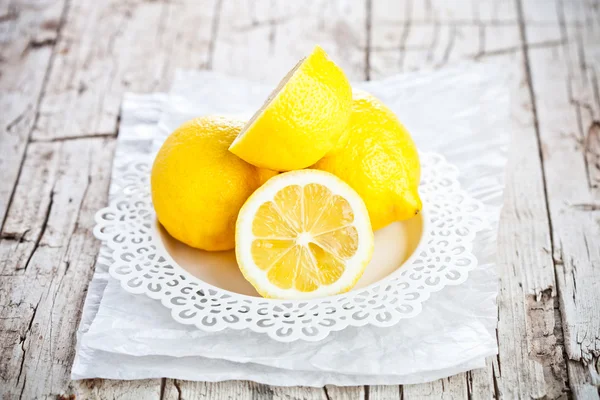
<point>302,119</point>
<point>303,234</point>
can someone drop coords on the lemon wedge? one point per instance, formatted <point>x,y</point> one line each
<point>302,120</point>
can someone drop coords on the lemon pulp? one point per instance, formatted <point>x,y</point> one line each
<point>303,234</point>
<point>303,237</point>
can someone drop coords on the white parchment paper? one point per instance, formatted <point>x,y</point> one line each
<point>461,112</point>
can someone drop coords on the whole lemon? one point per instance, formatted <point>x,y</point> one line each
<point>378,158</point>
<point>198,186</point>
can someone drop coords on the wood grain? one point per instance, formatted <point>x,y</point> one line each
<point>262,40</point>
<point>109,47</point>
<point>66,63</point>
<point>45,275</point>
<point>185,390</point>
<point>454,387</point>
<point>28,33</point>
<point>114,390</point>
<point>565,89</point>
<point>104,49</point>
<point>419,37</point>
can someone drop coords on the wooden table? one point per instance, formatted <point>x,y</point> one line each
<point>64,65</point>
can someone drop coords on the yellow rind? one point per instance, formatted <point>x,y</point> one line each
<point>302,120</point>
<point>378,158</point>
<point>191,183</point>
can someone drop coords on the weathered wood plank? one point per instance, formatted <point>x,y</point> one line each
<point>28,31</point>
<point>45,276</point>
<point>345,393</point>
<point>381,392</point>
<point>412,35</point>
<point>480,383</point>
<point>106,48</point>
<point>530,363</point>
<point>185,390</point>
<point>409,35</point>
<point>114,390</point>
<point>454,387</point>
<point>564,82</point>
<point>109,47</point>
<point>262,40</point>
<point>300,393</point>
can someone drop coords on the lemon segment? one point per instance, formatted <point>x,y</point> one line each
<point>302,119</point>
<point>303,234</point>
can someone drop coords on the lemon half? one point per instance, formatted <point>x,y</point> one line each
<point>303,234</point>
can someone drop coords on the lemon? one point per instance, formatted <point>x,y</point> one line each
<point>198,186</point>
<point>379,160</point>
<point>301,120</point>
<point>303,234</point>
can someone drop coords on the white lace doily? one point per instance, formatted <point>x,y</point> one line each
<point>443,257</point>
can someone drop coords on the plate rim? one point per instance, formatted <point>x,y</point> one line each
<point>157,239</point>
<point>451,173</point>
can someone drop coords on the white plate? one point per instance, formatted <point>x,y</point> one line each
<point>393,245</point>
<point>412,259</point>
